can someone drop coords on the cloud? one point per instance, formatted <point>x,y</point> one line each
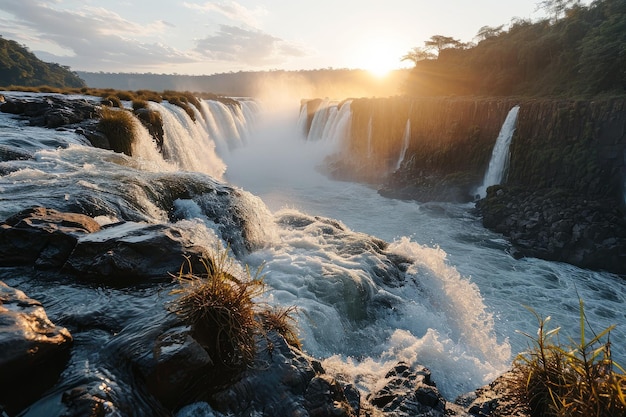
<point>98,39</point>
<point>252,47</point>
<point>231,10</point>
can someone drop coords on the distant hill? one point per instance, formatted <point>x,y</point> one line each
<point>20,67</point>
<point>578,52</point>
<point>332,83</point>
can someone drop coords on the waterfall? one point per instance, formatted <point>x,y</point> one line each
<point>369,138</point>
<point>500,155</point>
<point>405,143</point>
<point>197,146</point>
<point>331,122</point>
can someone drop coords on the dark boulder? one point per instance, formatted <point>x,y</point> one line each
<point>34,350</point>
<point>498,399</point>
<point>285,382</point>
<point>42,237</point>
<point>558,225</point>
<point>133,251</point>
<point>50,111</point>
<point>409,392</point>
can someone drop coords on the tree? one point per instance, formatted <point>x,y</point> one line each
<point>487,32</point>
<point>440,42</point>
<point>556,8</point>
<point>417,54</point>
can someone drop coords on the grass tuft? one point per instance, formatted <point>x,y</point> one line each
<point>219,306</point>
<point>118,127</point>
<point>578,379</point>
<point>281,320</point>
<point>112,101</point>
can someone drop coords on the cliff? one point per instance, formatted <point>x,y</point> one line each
<point>567,163</point>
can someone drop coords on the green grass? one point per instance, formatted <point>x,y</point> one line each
<point>220,307</point>
<point>576,379</point>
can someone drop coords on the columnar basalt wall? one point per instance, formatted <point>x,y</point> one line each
<point>575,145</point>
<point>563,198</point>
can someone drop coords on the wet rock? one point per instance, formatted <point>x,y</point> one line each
<point>50,111</point>
<point>284,382</point>
<point>9,153</point>
<point>133,251</point>
<point>498,399</point>
<point>558,225</point>
<point>178,360</point>
<point>409,392</point>
<point>34,350</point>
<point>42,237</point>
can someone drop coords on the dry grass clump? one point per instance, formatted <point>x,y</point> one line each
<point>281,319</point>
<point>112,101</point>
<point>221,310</point>
<point>139,104</point>
<point>118,127</point>
<point>579,379</point>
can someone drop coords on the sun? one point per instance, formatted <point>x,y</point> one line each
<point>379,57</point>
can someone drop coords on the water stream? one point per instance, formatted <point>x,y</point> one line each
<point>454,307</point>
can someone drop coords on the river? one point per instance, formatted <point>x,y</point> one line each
<point>457,306</point>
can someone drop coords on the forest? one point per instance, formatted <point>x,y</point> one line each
<point>578,51</point>
<point>19,66</point>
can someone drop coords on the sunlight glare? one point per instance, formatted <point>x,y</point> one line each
<point>379,57</point>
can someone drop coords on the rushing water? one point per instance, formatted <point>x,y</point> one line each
<point>500,155</point>
<point>454,306</point>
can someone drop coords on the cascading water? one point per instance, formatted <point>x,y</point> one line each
<point>369,137</point>
<point>406,139</point>
<point>500,155</point>
<point>331,123</point>
<point>438,289</point>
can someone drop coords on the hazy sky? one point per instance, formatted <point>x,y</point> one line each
<point>206,37</point>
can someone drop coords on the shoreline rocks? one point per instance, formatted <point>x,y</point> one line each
<point>558,225</point>
<point>34,350</point>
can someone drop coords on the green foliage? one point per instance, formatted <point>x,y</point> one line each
<point>580,52</point>
<point>579,379</point>
<point>118,127</point>
<point>19,66</point>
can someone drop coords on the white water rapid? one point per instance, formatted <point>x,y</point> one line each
<point>375,280</point>
<point>500,155</point>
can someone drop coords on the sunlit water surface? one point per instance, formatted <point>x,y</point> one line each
<point>455,307</point>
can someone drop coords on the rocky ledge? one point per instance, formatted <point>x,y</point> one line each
<point>77,114</point>
<point>558,225</point>
<point>155,365</point>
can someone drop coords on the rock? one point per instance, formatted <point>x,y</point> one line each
<point>409,392</point>
<point>283,382</point>
<point>50,111</point>
<point>324,396</point>
<point>558,225</point>
<point>42,237</point>
<point>133,251</point>
<point>498,399</point>
<point>178,361</point>
<point>34,350</point>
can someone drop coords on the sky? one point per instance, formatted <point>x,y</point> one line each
<point>216,36</point>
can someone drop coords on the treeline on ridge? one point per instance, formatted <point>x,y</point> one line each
<point>19,66</point>
<point>580,51</point>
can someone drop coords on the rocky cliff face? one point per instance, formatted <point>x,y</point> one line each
<point>564,196</point>
<point>448,140</point>
<point>574,145</point>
